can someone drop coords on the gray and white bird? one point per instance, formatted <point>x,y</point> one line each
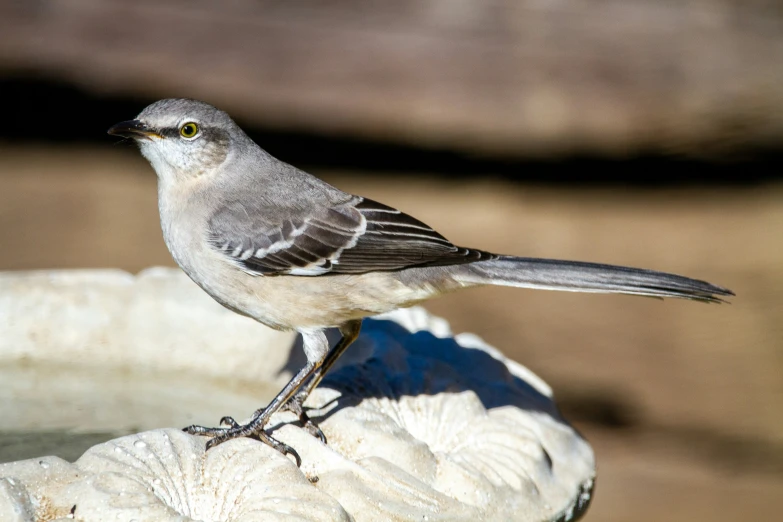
<point>274,243</point>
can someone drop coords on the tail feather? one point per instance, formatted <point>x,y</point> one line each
<point>576,276</point>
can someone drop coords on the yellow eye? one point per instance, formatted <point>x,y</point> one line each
<point>188,130</point>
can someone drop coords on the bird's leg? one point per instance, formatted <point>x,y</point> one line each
<point>316,348</point>
<point>349,331</point>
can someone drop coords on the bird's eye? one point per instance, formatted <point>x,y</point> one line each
<point>188,130</point>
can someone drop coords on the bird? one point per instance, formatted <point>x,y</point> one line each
<point>276,244</point>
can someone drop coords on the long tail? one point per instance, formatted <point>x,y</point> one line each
<point>576,276</point>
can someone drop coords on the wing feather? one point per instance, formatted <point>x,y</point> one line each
<point>356,237</point>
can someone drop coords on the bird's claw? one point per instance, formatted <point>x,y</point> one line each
<point>283,448</point>
<point>229,421</point>
<point>204,431</point>
<point>296,406</point>
<point>253,429</point>
<point>313,429</point>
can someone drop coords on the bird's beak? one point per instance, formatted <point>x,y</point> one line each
<point>133,129</point>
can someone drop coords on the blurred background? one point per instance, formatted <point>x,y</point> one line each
<point>640,132</point>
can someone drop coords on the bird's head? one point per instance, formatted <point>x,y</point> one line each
<point>182,138</point>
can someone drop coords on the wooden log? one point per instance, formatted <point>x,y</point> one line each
<point>503,76</point>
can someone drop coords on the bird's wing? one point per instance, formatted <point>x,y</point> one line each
<point>355,237</point>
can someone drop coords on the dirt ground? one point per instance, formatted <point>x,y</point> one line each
<point>683,402</point>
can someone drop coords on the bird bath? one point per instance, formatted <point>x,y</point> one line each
<point>98,369</point>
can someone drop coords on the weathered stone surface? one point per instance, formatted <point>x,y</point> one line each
<point>422,425</point>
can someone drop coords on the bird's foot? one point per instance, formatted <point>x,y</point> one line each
<point>296,405</point>
<point>253,429</point>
